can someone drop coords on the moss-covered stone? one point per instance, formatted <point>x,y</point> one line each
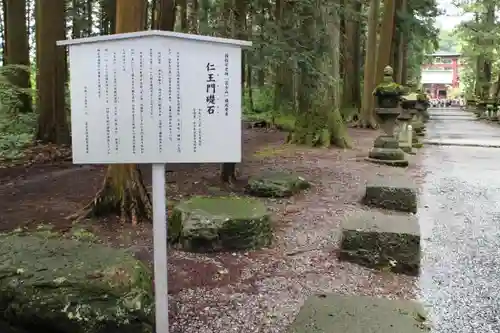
<point>389,88</point>
<point>50,284</point>
<point>276,185</point>
<point>378,240</point>
<point>409,101</point>
<point>393,193</point>
<point>329,313</point>
<point>387,154</point>
<point>220,223</point>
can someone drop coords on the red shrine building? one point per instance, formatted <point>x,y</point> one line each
<point>440,72</point>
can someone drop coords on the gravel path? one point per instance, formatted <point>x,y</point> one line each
<point>262,291</point>
<point>459,217</point>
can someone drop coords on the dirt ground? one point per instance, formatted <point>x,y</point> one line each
<point>258,291</point>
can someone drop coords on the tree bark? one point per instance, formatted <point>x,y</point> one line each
<point>166,19</point>
<point>51,80</point>
<point>183,14</point>
<point>19,53</point>
<point>5,34</point>
<point>193,16</point>
<point>123,191</point>
<point>351,97</point>
<point>228,170</point>
<point>386,35</point>
<point>366,116</point>
<point>76,29</point>
<point>319,122</point>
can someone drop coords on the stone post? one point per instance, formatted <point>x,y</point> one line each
<point>404,120</point>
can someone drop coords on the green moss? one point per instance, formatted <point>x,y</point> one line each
<point>65,285</point>
<point>276,184</point>
<point>410,97</point>
<point>220,223</point>
<point>390,88</point>
<point>273,151</point>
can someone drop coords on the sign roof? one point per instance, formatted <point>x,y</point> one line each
<point>155,33</point>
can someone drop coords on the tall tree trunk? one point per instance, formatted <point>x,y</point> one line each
<point>385,43</point>
<point>228,170</point>
<point>284,93</point>
<point>183,14</point>
<point>319,122</point>
<point>76,28</point>
<point>88,18</point>
<point>404,62</point>
<point>193,16</point>
<point>402,42</point>
<point>166,19</point>
<point>366,115</point>
<point>5,34</point>
<point>123,191</point>
<point>19,52</point>
<point>351,97</point>
<point>51,59</point>
<point>489,42</point>
<point>154,14</point>
<point>111,14</point>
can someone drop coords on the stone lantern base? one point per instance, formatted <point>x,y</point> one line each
<point>481,110</point>
<point>386,151</point>
<point>492,116</point>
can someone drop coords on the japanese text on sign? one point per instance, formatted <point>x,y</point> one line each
<point>178,93</point>
<point>211,85</point>
<point>226,84</point>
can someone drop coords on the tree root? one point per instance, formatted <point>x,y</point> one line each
<point>123,193</point>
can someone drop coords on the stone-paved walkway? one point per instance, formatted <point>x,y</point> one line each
<point>459,215</point>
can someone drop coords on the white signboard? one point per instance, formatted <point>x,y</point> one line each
<point>437,77</point>
<point>155,97</point>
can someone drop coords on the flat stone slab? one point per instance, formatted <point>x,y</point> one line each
<point>382,241</point>
<point>394,193</point>
<point>209,224</point>
<point>276,184</point>
<point>358,314</point>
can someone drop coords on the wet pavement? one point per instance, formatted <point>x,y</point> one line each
<point>457,127</point>
<point>459,215</point>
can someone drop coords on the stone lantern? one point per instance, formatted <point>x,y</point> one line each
<point>471,104</point>
<point>386,148</point>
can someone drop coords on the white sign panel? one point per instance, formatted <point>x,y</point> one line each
<point>155,99</point>
<point>437,77</point>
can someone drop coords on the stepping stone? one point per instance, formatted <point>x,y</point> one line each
<point>276,184</point>
<point>382,241</point>
<point>392,193</point>
<point>207,224</point>
<point>358,314</point>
